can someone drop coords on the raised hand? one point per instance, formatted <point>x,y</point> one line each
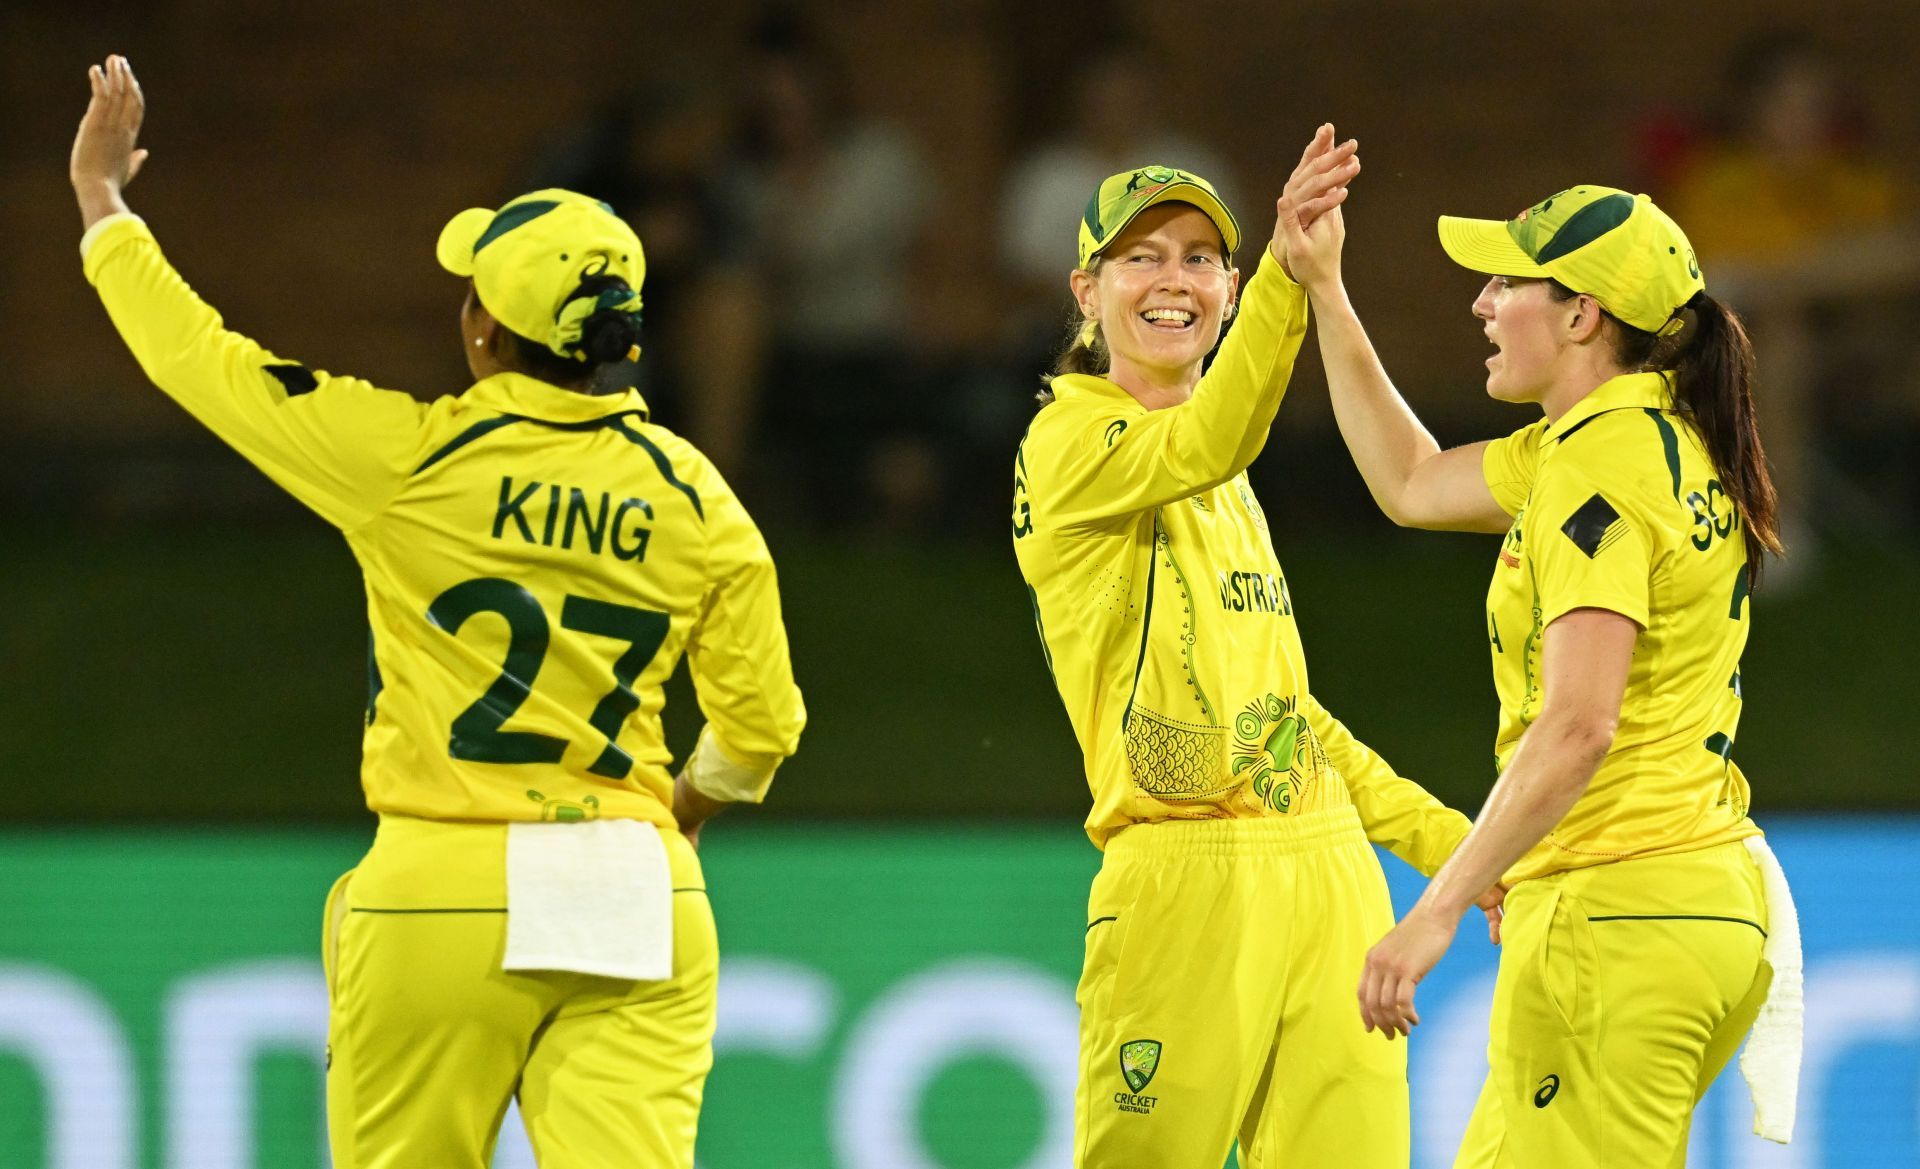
<point>1317,188</point>
<point>105,155</point>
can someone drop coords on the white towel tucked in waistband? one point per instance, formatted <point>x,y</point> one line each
<point>1771,1061</point>
<point>591,897</point>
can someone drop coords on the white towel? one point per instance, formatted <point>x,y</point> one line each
<point>591,897</point>
<point>1771,1061</point>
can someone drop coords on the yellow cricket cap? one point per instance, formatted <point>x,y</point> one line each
<point>1127,194</point>
<point>1614,246</point>
<point>528,258</point>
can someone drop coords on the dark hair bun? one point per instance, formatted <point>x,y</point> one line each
<point>608,336</point>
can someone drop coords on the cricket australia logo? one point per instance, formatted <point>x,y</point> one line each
<point>1139,1059</point>
<point>1274,747</point>
<point>1147,180</point>
<point>1252,504</point>
<point>1510,547</point>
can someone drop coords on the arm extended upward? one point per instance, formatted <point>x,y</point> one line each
<point>1416,484</point>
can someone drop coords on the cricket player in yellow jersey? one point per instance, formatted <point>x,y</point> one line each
<point>1238,891</point>
<point>1645,922</point>
<point>531,919</point>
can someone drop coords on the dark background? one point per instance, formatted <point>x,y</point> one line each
<point>181,643</point>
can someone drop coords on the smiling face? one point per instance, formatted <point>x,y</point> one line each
<point>1161,293</point>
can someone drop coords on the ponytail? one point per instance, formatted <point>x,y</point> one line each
<point>1084,351</point>
<point>1709,363</point>
<point>1713,388</point>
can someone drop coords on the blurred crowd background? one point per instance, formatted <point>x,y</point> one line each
<point>859,219</point>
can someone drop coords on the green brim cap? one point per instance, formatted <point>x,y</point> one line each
<point>1616,247</point>
<point>1121,197</point>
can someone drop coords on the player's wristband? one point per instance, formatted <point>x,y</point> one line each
<point>713,772</point>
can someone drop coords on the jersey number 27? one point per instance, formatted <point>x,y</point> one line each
<point>477,735</point>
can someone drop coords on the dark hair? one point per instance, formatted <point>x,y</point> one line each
<point>1710,367</point>
<point>606,337</point>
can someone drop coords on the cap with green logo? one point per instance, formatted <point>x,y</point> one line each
<point>1614,246</point>
<point>528,258</point>
<point>1127,194</point>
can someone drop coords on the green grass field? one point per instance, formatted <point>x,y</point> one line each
<point>219,673</point>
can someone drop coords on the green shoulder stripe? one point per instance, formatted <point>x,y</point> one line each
<point>660,462</point>
<point>477,430</point>
<point>1669,444</point>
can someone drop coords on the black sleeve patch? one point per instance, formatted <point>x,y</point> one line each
<point>1595,526</point>
<point>298,379</point>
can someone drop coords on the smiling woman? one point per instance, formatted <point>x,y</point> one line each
<point>1129,278</point>
<point>1221,788</point>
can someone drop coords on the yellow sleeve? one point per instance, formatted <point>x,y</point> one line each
<point>1591,545</point>
<point>1508,464</point>
<point>738,658</point>
<point>1397,813</point>
<point>338,444</point>
<point>1105,463</point>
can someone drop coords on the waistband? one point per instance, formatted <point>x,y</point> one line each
<point>1721,880</point>
<point>1266,836</point>
<point>416,862</point>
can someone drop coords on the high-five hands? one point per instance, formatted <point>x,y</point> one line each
<point>1310,230</point>
<point>1314,192</point>
<point>105,155</point>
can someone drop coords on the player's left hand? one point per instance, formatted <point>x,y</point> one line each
<point>692,808</point>
<point>1493,903</point>
<point>1396,965</point>
<point>105,155</point>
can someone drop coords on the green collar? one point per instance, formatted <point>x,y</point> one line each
<point>518,394</point>
<point>1643,391</point>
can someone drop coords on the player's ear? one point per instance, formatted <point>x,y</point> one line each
<point>1584,318</point>
<point>1086,292</point>
<point>487,333</point>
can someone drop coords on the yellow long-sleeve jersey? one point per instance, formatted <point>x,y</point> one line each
<point>1164,615</point>
<point>536,563</point>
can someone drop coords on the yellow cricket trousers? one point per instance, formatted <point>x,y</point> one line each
<point>1217,1002</point>
<point>1623,990</point>
<point>428,1039</point>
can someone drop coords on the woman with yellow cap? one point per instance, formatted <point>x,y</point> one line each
<point>1646,920</point>
<point>531,919</point>
<point>1238,891</point>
